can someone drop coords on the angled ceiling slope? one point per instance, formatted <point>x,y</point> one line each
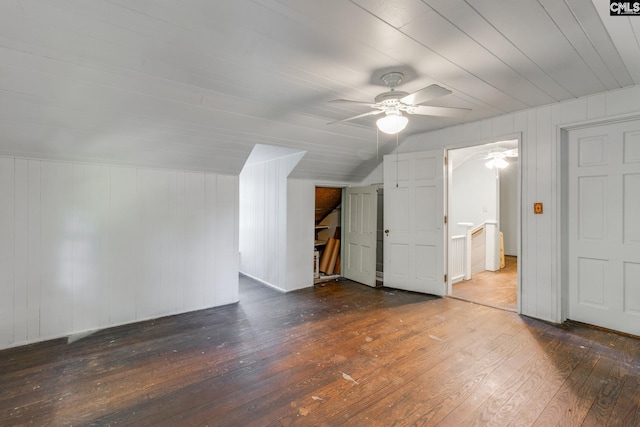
<point>196,85</point>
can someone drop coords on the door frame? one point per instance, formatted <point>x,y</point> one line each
<point>341,186</point>
<point>519,221</point>
<point>562,201</point>
<point>358,237</point>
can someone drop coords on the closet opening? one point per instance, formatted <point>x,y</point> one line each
<point>328,234</point>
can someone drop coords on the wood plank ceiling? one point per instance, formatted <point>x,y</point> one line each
<point>196,84</point>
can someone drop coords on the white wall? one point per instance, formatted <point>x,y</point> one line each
<point>509,207</point>
<point>540,162</point>
<point>300,233</point>
<point>263,222</point>
<point>264,225</point>
<point>87,246</point>
<point>474,195</point>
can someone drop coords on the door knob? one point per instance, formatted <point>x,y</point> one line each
<point>386,231</point>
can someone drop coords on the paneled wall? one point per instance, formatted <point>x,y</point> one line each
<point>509,207</point>
<point>300,233</point>
<point>265,226</point>
<point>540,163</point>
<point>262,222</point>
<point>87,246</point>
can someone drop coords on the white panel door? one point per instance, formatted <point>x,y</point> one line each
<point>604,226</point>
<point>414,222</point>
<point>360,234</point>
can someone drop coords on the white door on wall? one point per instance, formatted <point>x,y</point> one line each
<point>360,234</point>
<point>604,226</point>
<point>414,222</point>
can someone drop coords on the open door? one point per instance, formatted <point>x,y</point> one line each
<point>414,222</point>
<point>360,234</point>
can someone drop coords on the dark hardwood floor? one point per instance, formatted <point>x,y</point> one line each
<point>337,354</point>
<point>495,289</point>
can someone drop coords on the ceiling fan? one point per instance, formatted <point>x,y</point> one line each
<point>497,159</point>
<point>394,102</point>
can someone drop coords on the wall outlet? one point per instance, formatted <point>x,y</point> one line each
<point>537,208</point>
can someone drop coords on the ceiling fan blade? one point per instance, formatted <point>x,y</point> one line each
<point>348,101</point>
<point>370,113</point>
<point>425,94</point>
<point>428,110</point>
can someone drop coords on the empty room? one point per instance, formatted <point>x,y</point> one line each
<point>294,212</point>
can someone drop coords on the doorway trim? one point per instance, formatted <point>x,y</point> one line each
<point>342,186</point>
<point>519,210</point>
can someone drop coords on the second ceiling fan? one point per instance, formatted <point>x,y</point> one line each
<point>394,102</point>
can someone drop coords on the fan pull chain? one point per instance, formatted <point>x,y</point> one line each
<point>397,163</point>
<point>377,146</point>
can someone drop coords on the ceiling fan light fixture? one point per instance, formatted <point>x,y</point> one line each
<point>392,123</point>
<point>497,162</point>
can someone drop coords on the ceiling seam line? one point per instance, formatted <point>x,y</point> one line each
<point>495,56</point>
<point>597,51</point>
<point>519,50</point>
<point>572,45</point>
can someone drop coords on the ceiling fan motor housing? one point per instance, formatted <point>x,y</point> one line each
<point>392,97</point>
<point>392,79</point>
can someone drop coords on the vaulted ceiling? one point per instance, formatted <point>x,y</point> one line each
<point>195,84</point>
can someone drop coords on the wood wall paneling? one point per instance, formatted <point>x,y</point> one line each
<point>57,236</point>
<point>150,224</point>
<point>123,232</point>
<point>265,228</point>
<point>87,246</point>
<point>226,241</point>
<point>21,251</point>
<point>176,207</point>
<point>300,233</point>
<point>34,252</point>
<point>210,252</point>
<point>7,237</point>
<point>544,241</point>
<point>195,229</point>
<point>264,222</point>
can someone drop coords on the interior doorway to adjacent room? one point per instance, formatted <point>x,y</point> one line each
<point>483,197</point>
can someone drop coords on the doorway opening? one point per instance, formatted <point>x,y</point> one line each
<point>328,234</point>
<point>483,198</point>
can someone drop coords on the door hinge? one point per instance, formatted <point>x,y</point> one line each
<point>445,219</point>
<point>445,278</point>
<point>446,160</point>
